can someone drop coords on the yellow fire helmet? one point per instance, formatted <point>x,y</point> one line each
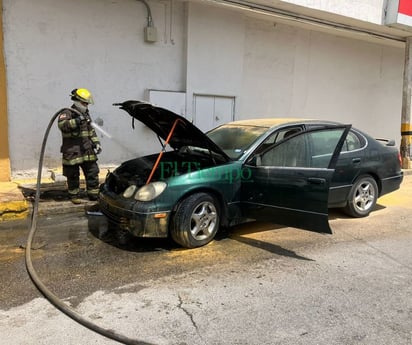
<point>82,95</point>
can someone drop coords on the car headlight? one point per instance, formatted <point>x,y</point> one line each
<point>150,191</point>
<point>128,193</point>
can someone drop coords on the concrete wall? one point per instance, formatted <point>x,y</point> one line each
<point>318,75</point>
<point>215,52</point>
<point>278,70</point>
<point>53,46</point>
<point>272,69</point>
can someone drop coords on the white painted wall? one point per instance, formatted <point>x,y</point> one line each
<point>278,70</point>
<point>324,76</point>
<point>215,49</point>
<point>271,69</point>
<point>53,46</point>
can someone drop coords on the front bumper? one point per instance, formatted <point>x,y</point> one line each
<point>139,220</point>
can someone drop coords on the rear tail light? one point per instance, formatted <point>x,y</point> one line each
<point>400,159</point>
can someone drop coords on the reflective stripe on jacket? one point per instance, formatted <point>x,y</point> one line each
<point>79,137</point>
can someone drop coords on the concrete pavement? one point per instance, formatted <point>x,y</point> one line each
<point>16,196</point>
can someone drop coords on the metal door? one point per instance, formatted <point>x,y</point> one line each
<point>211,111</point>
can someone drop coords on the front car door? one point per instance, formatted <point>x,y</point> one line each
<point>289,181</point>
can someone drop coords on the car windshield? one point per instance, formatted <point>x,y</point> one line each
<point>235,139</point>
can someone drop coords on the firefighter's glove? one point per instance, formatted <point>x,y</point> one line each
<point>98,149</point>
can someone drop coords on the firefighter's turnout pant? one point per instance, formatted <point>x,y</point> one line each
<point>91,173</point>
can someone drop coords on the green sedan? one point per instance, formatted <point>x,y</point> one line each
<point>284,170</point>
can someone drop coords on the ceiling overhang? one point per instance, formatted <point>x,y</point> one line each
<point>317,20</point>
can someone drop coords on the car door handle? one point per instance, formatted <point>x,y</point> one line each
<point>316,180</point>
<point>356,160</point>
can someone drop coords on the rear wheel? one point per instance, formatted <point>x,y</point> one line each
<point>196,220</point>
<point>362,197</point>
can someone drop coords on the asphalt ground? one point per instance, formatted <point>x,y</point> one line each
<point>258,283</point>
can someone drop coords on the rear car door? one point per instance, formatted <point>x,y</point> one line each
<point>289,182</point>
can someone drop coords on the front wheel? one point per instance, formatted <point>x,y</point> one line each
<point>196,221</point>
<point>362,197</point>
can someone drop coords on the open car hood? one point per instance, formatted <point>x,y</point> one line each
<point>161,121</point>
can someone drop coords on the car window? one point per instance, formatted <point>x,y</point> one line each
<point>277,137</point>
<point>351,143</point>
<point>308,150</point>
<point>235,139</point>
<point>324,142</point>
<point>282,134</point>
<point>290,153</point>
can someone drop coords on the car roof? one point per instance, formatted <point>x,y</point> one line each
<point>277,121</point>
<point>266,122</point>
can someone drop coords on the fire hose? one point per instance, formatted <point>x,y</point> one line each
<point>52,298</point>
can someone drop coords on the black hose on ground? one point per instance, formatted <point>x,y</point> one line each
<point>53,299</point>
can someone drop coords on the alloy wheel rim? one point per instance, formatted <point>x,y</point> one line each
<point>203,221</point>
<point>364,197</point>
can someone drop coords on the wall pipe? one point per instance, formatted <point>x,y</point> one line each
<point>149,13</point>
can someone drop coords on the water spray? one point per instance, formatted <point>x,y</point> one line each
<point>109,136</point>
<point>120,144</point>
<point>101,130</point>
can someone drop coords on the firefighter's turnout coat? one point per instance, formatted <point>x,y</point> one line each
<point>79,137</point>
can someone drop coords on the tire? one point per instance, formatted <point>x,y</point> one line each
<point>196,221</point>
<point>362,197</point>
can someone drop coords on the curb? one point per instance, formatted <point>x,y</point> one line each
<point>16,198</point>
<point>11,210</point>
<point>18,210</point>
<point>62,207</point>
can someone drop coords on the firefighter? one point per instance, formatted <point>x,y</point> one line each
<point>80,146</point>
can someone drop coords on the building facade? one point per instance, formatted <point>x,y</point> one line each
<point>211,61</point>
